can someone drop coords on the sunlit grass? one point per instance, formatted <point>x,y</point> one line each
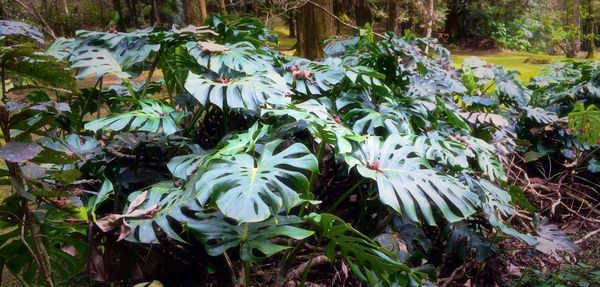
<point>510,60</point>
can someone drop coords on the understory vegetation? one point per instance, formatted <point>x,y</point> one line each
<point>203,156</point>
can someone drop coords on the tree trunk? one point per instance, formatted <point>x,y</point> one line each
<point>362,13</point>
<point>156,13</point>
<point>392,22</point>
<point>291,23</point>
<point>222,8</point>
<point>573,24</point>
<point>189,13</point>
<point>430,18</point>
<point>453,27</point>
<point>133,14</point>
<point>312,27</point>
<point>591,47</point>
<point>121,21</point>
<point>203,13</point>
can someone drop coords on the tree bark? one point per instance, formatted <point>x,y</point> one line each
<point>591,45</point>
<point>452,26</point>
<point>573,24</point>
<point>313,25</point>
<point>392,22</point>
<point>430,18</point>
<point>133,14</point>
<point>155,13</point>
<point>362,13</point>
<point>121,21</point>
<point>203,13</point>
<point>289,17</point>
<point>222,8</point>
<point>189,13</point>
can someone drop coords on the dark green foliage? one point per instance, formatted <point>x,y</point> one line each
<point>237,143</point>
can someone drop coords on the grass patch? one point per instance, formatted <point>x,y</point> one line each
<point>510,60</point>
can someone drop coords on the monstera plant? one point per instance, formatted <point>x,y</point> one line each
<point>254,157</point>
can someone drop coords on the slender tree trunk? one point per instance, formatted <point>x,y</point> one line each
<point>591,45</point>
<point>430,18</point>
<point>312,26</point>
<point>289,17</point>
<point>362,13</point>
<point>392,22</point>
<point>132,11</point>
<point>452,26</point>
<point>203,13</point>
<point>121,21</point>
<point>222,8</point>
<point>573,24</point>
<point>156,13</point>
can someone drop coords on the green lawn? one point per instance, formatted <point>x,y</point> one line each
<point>510,60</point>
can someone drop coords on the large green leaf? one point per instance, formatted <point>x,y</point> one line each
<point>371,263</point>
<point>96,61</point>
<point>509,86</point>
<point>241,57</point>
<point>235,90</point>
<point>252,190</point>
<point>186,165</point>
<point>585,123</point>
<point>319,122</point>
<point>488,159</point>
<point>218,235</point>
<point>8,27</point>
<point>312,78</point>
<point>171,207</point>
<point>406,182</point>
<point>496,203</point>
<point>446,150</point>
<point>152,117</point>
<point>367,118</point>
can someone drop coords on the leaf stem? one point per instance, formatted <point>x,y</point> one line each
<point>247,273</point>
<point>344,196</point>
<point>150,74</point>
<point>130,88</point>
<point>313,176</point>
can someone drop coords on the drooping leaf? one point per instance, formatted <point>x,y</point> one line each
<point>552,240</point>
<point>406,183</point>
<point>319,122</point>
<point>370,262</point>
<point>496,203</point>
<point>218,235</point>
<point>8,27</point>
<point>509,86</point>
<point>152,117</point>
<point>172,207</point>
